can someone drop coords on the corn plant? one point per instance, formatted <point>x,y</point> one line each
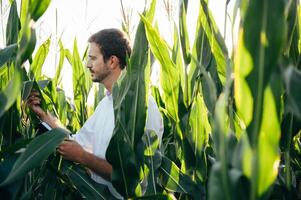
<point>231,123</point>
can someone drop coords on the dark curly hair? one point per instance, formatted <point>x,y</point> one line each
<point>112,42</point>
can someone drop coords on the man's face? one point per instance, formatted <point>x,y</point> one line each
<point>99,69</point>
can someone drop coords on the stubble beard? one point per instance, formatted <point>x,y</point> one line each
<point>101,77</point>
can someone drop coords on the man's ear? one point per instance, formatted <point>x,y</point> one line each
<point>114,61</point>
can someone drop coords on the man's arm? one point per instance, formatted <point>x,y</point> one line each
<point>73,151</point>
<point>33,102</point>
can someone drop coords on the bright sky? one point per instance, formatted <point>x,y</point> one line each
<point>81,18</point>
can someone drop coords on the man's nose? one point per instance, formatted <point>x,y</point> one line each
<point>88,64</point>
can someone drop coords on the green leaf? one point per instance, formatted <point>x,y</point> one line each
<point>36,152</point>
<point>268,149</point>
<point>174,180</point>
<point>130,99</point>
<point>88,188</point>
<point>57,77</point>
<point>148,153</point>
<point>184,33</point>
<point>81,83</point>
<point>10,93</point>
<point>292,79</point>
<point>13,25</point>
<point>38,7</point>
<point>169,74</point>
<point>198,135</point>
<point>7,53</point>
<point>38,61</point>
<point>26,44</point>
<point>238,184</point>
<point>260,45</point>
<point>217,44</point>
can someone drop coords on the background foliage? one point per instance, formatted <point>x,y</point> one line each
<point>231,119</point>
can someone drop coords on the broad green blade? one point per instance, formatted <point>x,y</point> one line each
<point>57,77</point>
<point>268,146</point>
<point>26,44</point>
<point>260,44</point>
<point>10,93</point>
<point>217,44</point>
<point>198,135</point>
<point>174,180</point>
<point>37,8</point>
<point>38,61</point>
<point>8,53</point>
<point>81,83</point>
<point>88,188</point>
<point>292,79</point>
<point>184,33</point>
<point>169,74</point>
<point>13,25</point>
<point>148,152</point>
<point>36,152</point>
<point>130,97</point>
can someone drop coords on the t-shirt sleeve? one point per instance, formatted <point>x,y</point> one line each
<point>154,119</point>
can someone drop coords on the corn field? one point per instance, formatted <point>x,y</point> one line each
<point>232,121</point>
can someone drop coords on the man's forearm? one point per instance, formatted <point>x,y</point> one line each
<point>98,165</point>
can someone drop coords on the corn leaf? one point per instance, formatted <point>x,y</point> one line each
<point>10,93</point>
<point>8,53</point>
<point>148,153</point>
<point>169,74</point>
<point>88,188</point>
<point>174,180</point>
<point>13,25</point>
<point>292,78</point>
<point>183,32</point>
<point>130,98</point>
<point>36,152</point>
<point>38,60</point>
<point>37,8</point>
<point>216,42</point>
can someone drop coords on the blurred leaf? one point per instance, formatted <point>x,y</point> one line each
<point>38,61</point>
<point>26,44</point>
<point>260,45</point>
<point>13,25</point>
<point>7,53</point>
<point>36,152</point>
<point>10,93</point>
<point>268,152</point>
<point>238,185</point>
<point>38,7</point>
<point>292,79</point>
<point>24,12</point>
<point>12,190</point>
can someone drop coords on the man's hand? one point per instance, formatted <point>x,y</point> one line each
<point>71,150</point>
<point>34,103</point>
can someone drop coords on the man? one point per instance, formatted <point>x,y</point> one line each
<point>107,54</point>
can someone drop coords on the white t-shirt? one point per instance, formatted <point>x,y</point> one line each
<point>96,133</point>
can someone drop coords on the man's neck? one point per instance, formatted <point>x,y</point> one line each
<point>109,82</point>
